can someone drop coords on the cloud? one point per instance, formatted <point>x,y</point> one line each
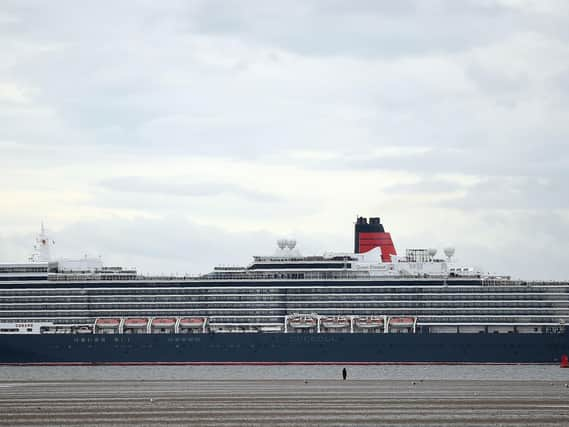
<point>176,187</point>
<point>167,245</point>
<point>426,186</point>
<point>366,29</point>
<point>513,194</point>
<point>521,244</point>
<point>288,118</point>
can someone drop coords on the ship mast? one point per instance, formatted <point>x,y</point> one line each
<point>42,248</point>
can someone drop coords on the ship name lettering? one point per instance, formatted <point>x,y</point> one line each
<point>24,325</point>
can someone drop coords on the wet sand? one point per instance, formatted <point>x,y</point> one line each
<point>285,402</point>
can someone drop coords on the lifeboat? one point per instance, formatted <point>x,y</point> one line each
<point>108,323</point>
<point>369,322</point>
<point>303,322</point>
<point>192,322</point>
<point>401,322</point>
<point>84,330</point>
<point>161,322</point>
<point>135,323</point>
<point>336,322</point>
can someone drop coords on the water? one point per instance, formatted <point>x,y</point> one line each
<point>155,373</point>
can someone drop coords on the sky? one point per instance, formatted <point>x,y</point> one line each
<point>173,136</point>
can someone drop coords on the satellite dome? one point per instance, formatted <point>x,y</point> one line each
<point>291,244</point>
<point>449,252</point>
<point>432,252</point>
<point>282,243</point>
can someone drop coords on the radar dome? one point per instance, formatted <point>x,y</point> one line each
<point>281,243</point>
<point>291,244</point>
<point>432,252</point>
<point>449,252</point>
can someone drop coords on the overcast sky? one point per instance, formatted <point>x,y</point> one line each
<point>175,135</point>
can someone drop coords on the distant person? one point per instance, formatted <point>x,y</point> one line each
<point>344,374</point>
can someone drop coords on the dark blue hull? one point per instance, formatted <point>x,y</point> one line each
<point>279,348</point>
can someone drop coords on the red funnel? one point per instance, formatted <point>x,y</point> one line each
<point>564,361</point>
<point>369,235</point>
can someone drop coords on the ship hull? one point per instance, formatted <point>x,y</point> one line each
<point>279,348</point>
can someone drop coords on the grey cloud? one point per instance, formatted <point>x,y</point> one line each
<point>560,81</point>
<point>514,193</point>
<point>482,158</point>
<point>497,193</point>
<point>368,28</point>
<point>15,247</point>
<point>400,27</point>
<point>481,85</point>
<point>525,245</point>
<point>424,186</point>
<point>504,88</point>
<point>175,186</point>
<point>143,86</point>
<point>168,245</point>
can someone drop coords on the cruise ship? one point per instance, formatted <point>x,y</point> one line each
<point>372,306</point>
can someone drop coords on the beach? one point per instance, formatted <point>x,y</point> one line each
<point>284,402</point>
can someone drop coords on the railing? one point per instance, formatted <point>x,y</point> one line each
<point>253,276</point>
<point>298,276</point>
<point>386,327</point>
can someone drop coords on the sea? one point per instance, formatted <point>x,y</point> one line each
<point>285,372</point>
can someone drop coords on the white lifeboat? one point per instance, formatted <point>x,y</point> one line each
<point>401,322</point>
<point>192,322</point>
<point>162,322</point>
<point>135,323</point>
<point>336,322</point>
<point>303,322</point>
<point>108,323</point>
<point>84,330</point>
<point>369,322</point>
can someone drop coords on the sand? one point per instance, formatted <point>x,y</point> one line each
<point>284,402</point>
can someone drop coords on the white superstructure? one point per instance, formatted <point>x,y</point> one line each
<point>368,292</point>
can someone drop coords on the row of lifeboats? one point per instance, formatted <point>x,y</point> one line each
<point>157,322</point>
<point>307,321</point>
<point>301,321</point>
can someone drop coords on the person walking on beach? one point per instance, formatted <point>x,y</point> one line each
<point>344,374</point>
